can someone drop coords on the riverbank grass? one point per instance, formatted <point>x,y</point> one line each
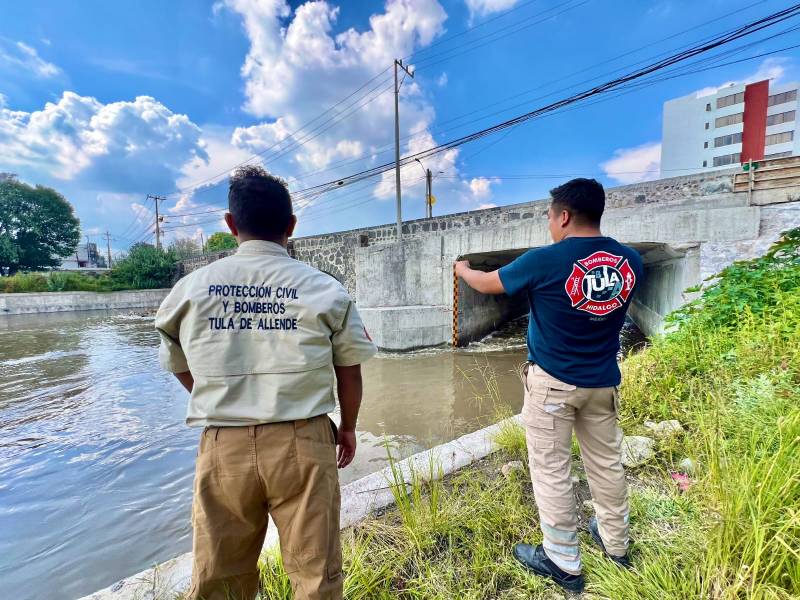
<point>729,372</point>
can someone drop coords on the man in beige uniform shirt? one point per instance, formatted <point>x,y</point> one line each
<point>258,339</point>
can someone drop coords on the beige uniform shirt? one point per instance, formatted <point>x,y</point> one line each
<point>260,333</point>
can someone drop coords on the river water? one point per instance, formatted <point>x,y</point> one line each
<point>96,463</point>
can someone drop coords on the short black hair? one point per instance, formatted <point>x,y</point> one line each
<point>259,202</point>
<point>584,199</point>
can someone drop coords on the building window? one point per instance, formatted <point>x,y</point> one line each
<point>730,100</point>
<point>727,159</point>
<point>782,98</point>
<point>707,124</point>
<point>729,120</point>
<point>705,163</point>
<point>727,140</point>
<point>779,154</point>
<point>708,107</point>
<point>779,138</point>
<point>705,144</point>
<point>784,117</point>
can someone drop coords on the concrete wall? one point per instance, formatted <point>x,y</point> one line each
<point>46,302</point>
<point>405,291</point>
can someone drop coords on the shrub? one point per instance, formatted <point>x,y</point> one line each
<point>145,267</point>
<point>23,282</point>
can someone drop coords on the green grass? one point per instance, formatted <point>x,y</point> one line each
<point>57,282</point>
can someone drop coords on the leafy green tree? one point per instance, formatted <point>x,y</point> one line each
<point>38,226</point>
<point>184,248</point>
<point>144,267</point>
<point>221,241</point>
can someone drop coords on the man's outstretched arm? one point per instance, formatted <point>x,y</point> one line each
<point>480,281</point>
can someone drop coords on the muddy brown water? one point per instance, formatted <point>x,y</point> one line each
<point>96,463</point>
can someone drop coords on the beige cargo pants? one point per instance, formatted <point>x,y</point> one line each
<point>286,470</point>
<point>551,411</point>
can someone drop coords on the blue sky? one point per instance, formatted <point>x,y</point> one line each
<point>109,101</point>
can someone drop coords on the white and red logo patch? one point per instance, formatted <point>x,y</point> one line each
<point>600,283</point>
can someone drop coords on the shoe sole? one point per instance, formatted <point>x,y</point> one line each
<point>567,587</point>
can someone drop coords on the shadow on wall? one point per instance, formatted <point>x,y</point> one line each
<point>668,272</point>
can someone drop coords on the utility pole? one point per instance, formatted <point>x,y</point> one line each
<point>398,63</point>
<point>202,243</point>
<point>108,247</point>
<point>428,193</point>
<point>156,199</point>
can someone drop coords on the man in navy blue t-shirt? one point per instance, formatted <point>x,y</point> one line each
<point>579,289</point>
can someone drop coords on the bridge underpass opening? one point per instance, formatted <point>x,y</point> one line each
<point>668,271</point>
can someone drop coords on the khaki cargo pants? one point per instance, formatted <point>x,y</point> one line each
<point>552,410</point>
<point>286,470</point>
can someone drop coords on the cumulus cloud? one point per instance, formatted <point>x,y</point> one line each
<point>135,145</point>
<point>481,187</point>
<point>773,68</point>
<point>298,66</point>
<point>21,56</point>
<point>481,8</point>
<point>632,165</point>
<point>487,205</point>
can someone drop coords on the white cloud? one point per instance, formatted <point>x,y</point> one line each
<point>123,146</point>
<point>481,8</point>
<point>632,165</point>
<point>298,66</point>
<point>487,205</point>
<point>24,57</point>
<point>773,68</point>
<point>481,187</point>
<point>442,81</point>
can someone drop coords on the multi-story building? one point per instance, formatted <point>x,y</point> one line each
<point>738,123</point>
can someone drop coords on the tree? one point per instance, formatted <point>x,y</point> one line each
<point>221,241</point>
<point>38,226</point>
<point>144,267</point>
<point>184,248</point>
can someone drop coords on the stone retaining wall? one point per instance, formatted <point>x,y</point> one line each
<point>334,253</point>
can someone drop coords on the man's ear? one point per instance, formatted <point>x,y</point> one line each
<point>231,225</point>
<point>565,218</point>
<point>292,225</point>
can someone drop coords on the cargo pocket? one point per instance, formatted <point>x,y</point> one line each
<point>335,569</point>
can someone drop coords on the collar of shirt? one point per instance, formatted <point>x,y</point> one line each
<point>262,247</point>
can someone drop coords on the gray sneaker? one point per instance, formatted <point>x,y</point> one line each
<point>622,561</point>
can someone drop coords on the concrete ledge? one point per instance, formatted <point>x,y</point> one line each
<point>360,499</point>
<point>399,328</point>
<point>47,302</point>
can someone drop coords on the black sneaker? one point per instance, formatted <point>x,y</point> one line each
<point>622,561</point>
<point>535,559</point>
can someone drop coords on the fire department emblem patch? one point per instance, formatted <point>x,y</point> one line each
<point>600,283</point>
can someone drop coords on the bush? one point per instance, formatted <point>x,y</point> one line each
<point>23,282</point>
<point>145,267</point>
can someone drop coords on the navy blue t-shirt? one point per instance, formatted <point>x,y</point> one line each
<point>579,291</point>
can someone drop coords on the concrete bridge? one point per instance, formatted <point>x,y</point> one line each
<point>686,228</point>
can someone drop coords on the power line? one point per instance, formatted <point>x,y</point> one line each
<point>718,41</point>
<point>321,128</point>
